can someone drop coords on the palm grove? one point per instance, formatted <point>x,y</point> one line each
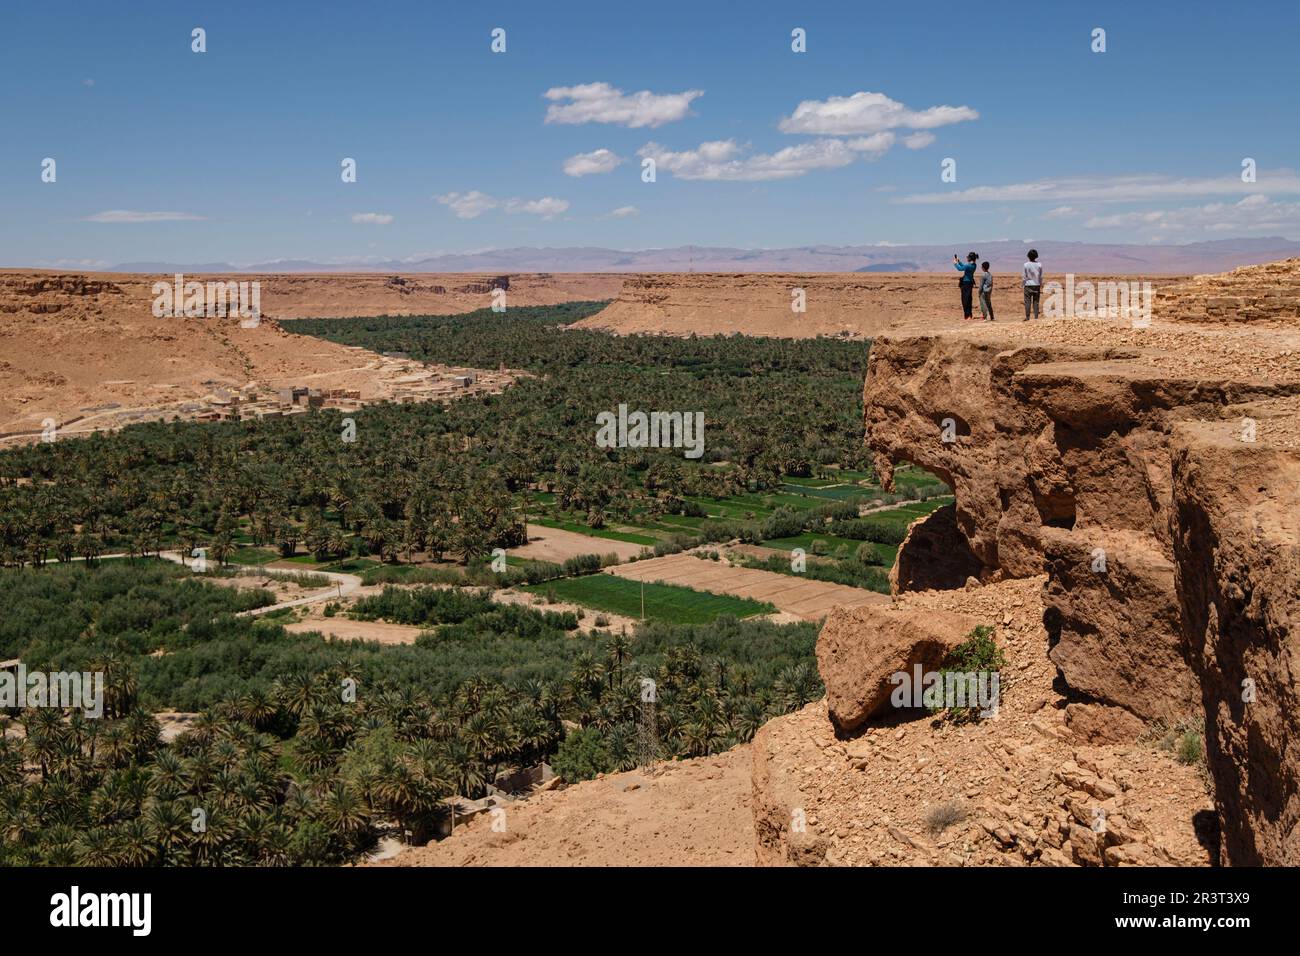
<point>287,767</point>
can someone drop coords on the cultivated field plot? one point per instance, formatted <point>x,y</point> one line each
<point>663,601</point>
<point>557,544</point>
<point>810,600</point>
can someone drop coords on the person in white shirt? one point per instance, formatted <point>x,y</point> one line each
<point>1031,277</point>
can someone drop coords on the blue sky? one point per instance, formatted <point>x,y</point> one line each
<point>234,154</point>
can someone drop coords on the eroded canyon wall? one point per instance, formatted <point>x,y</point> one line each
<point>1115,460</point>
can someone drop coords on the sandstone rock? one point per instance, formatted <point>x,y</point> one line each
<point>1102,724</point>
<point>934,555</point>
<point>860,648</point>
<point>999,832</point>
<point>1238,576</point>
<point>1110,458</point>
<point>1086,846</point>
<point>1134,596</point>
<point>1131,854</point>
<point>1051,856</point>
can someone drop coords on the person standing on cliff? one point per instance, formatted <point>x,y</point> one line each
<point>1031,276</point>
<point>966,282</point>
<point>986,292</point>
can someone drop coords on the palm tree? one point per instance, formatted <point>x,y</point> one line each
<point>617,646</point>
<point>344,812</point>
<point>134,843</point>
<point>750,717</point>
<point>95,847</point>
<point>255,708</point>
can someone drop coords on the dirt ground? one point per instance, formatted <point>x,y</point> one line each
<point>586,616</point>
<point>810,600</point>
<point>555,544</point>
<point>870,799</point>
<point>346,629</point>
<point>683,813</point>
<point>853,305</point>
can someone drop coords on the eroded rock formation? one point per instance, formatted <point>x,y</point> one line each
<point>857,672</point>
<point>1152,474</point>
<point>1238,568</point>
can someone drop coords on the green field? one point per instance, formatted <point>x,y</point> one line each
<point>905,514</point>
<point>605,533</point>
<point>806,540</point>
<point>663,602</point>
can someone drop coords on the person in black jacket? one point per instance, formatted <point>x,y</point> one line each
<point>966,282</point>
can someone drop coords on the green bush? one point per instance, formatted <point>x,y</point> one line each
<point>979,653</point>
<point>581,756</point>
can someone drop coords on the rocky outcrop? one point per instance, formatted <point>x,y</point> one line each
<point>1082,449</point>
<point>1238,570</point>
<point>92,339</point>
<point>1036,786</point>
<point>860,648</point>
<point>934,555</point>
<point>1060,459</point>
<point>1263,293</point>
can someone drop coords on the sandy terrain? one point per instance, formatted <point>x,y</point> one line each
<point>586,616</point>
<point>555,544</point>
<point>349,630</point>
<point>683,813</point>
<point>855,305</point>
<point>810,600</point>
<point>73,343</point>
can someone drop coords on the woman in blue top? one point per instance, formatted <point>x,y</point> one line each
<point>967,281</point>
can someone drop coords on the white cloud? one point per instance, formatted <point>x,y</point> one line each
<point>868,113</point>
<point>473,204</point>
<point>1253,214</point>
<point>548,207</point>
<point>623,212</point>
<point>468,205</point>
<point>88,81</point>
<point>1115,189</point>
<point>603,103</point>
<point>132,215</point>
<point>587,164</point>
<point>372,218</point>
<point>874,146</point>
<point>1061,212</point>
<point>724,160</point>
<point>918,140</point>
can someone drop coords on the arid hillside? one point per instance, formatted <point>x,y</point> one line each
<point>333,295</point>
<point>858,305</point>
<point>71,343</point>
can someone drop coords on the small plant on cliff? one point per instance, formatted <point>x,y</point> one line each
<point>978,656</point>
<point>1190,750</point>
<point>940,817</point>
<point>1184,740</point>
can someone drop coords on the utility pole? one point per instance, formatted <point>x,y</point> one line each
<point>643,600</point>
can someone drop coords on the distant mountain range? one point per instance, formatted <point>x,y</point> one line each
<point>1080,257</point>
